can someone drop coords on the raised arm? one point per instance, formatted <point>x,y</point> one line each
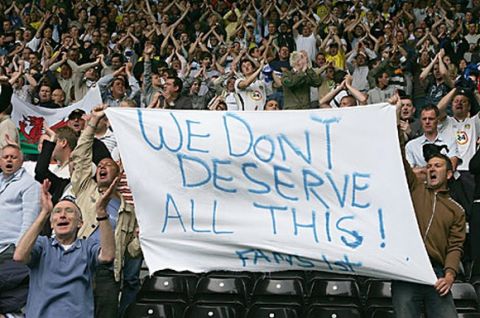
<point>325,100</point>
<point>107,239</point>
<point>25,245</point>
<point>445,101</point>
<point>251,78</point>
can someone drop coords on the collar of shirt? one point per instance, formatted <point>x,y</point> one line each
<point>15,175</point>
<point>76,244</point>
<point>426,141</point>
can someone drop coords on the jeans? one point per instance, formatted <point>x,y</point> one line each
<point>131,282</point>
<point>105,292</point>
<point>409,300</point>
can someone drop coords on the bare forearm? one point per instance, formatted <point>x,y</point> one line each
<point>25,245</point>
<point>107,240</point>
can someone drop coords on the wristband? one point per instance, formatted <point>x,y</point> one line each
<point>93,126</point>
<point>102,218</point>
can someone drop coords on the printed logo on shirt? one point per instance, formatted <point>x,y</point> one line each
<point>256,95</point>
<point>461,137</point>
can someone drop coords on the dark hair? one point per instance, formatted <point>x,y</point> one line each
<point>245,60</point>
<point>445,158</point>
<point>379,75</point>
<point>177,82</point>
<point>119,55</point>
<point>431,107</point>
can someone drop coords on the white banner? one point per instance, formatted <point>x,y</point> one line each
<point>29,118</point>
<point>269,191</point>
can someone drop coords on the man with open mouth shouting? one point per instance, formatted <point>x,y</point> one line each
<point>19,205</point>
<point>62,267</point>
<point>441,221</point>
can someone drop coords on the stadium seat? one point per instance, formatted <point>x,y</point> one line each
<point>247,277</point>
<point>465,297</point>
<point>277,298</point>
<point>272,311</point>
<point>379,297</point>
<point>270,289</point>
<point>163,289</point>
<point>155,310</point>
<point>335,293</point>
<point>215,311</point>
<point>229,290</point>
<point>189,278</point>
<point>321,311</point>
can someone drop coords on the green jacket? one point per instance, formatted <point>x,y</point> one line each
<point>296,88</point>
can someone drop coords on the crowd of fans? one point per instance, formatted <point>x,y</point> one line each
<point>220,55</point>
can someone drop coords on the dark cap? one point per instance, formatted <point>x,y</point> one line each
<point>77,113</point>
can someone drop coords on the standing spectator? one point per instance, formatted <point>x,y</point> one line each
<point>441,223</point>
<point>114,87</point>
<point>62,268</point>
<point>382,91</point>
<point>414,148</point>
<point>439,84</point>
<point>251,89</point>
<point>121,214</point>
<point>20,202</point>
<point>7,126</point>
<point>465,130</point>
<point>409,125</point>
<point>306,41</point>
<point>297,82</point>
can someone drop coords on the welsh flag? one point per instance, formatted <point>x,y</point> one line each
<point>29,118</point>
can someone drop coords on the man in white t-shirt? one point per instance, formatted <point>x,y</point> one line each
<point>250,89</point>
<point>305,41</point>
<point>414,148</point>
<point>464,128</point>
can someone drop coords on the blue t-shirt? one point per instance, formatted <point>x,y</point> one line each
<point>61,280</point>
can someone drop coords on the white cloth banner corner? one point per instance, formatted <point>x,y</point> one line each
<point>269,191</point>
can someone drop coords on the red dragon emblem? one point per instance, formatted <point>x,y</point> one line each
<point>32,128</point>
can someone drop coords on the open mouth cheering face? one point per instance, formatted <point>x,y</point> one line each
<point>11,160</point>
<point>107,170</point>
<point>65,221</point>
<point>437,173</point>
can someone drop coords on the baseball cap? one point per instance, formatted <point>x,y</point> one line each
<point>77,113</point>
